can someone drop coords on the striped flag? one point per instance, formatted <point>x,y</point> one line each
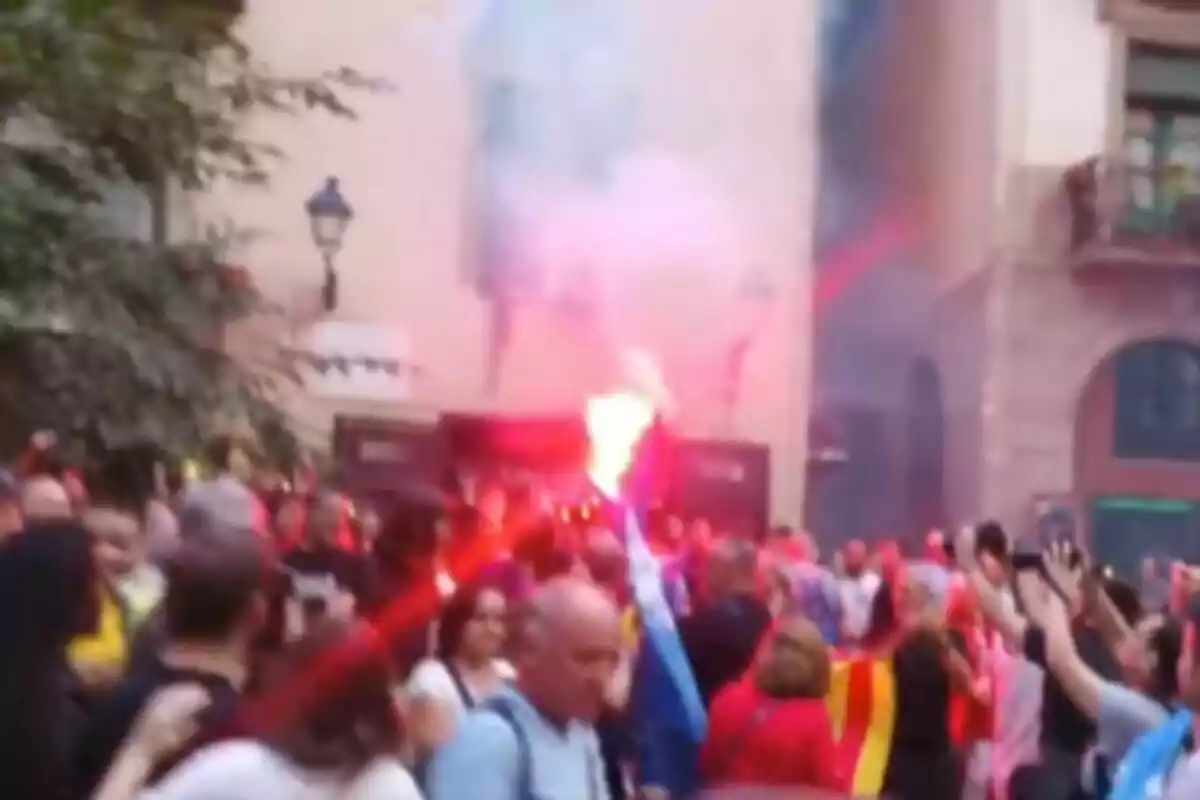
<point>665,706</point>
<point>862,703</point>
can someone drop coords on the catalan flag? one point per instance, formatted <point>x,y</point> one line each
<point>862,703</point>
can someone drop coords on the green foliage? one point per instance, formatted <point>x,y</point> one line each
<point>105,334</point>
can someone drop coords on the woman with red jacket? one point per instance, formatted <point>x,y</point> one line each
<point>970,713</point>
<point>772,728</point>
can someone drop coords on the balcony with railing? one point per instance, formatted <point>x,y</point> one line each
<point>1128,213</point>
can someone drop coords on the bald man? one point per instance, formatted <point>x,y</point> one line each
<point>43,498</point>
<point>537,738</point>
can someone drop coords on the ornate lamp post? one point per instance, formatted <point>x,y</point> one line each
<point>330,215</point>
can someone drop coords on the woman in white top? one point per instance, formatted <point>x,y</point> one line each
<point>329,732</point>
<point>466,670</point>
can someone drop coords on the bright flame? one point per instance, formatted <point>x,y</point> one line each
<point>615,425</point>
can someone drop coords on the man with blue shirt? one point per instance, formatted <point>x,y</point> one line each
<point>535,741</point>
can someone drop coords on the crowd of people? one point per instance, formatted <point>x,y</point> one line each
<point>211,641</point>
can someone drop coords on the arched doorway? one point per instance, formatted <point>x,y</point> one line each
<point>1137,454</point>
<point>924,479</point>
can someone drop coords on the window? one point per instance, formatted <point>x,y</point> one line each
<point>1162,135</point>
<point>1156,402</point>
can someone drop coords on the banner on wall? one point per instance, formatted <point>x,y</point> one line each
<point>728,482</point>
<point>381,455</point>
<point>358,362</point>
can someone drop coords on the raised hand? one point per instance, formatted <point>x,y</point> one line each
<point>169,720</point>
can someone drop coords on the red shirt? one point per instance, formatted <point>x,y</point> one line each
<point>761,741</point>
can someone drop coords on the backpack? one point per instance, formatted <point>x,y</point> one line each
<point>503,708</point>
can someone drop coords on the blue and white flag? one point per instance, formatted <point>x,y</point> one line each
<point>666,709</point>
<point>1143,772</point>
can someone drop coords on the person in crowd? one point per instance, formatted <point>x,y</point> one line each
<point>670,547</point>
<point>48,582</point>
<point>494,514</point>
<point>214,610</point>
<point>409,557</point>
<point>669,535</point>
<point>772,728</point>
<point>44,497</point>
<point>929,666</point>
<point>608,570</point>
<point>536,739</point>
<point>328,579</point>
<point>11,520</point>
<point>122,552</point>
<point>971,717</point>
<point>982,554</point>
<point>783,546</point>
<point>814,590</point>
<point>501,533</point>
<point>466,670</point>
<point>340,741</point>
<point>291,512</point>
<point>857,586</point>
<point>1066,731</point>
<point>722,637</point>
<point>1152,652</point>
<point>126,596</point>
<point>227,492</point>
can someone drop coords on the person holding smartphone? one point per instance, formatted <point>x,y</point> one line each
<point>1124,714</point>
<point>1064,731</point>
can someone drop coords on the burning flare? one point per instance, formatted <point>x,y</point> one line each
<point>615,424</point>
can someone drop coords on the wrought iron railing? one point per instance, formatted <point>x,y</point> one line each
<point>1146,212</point>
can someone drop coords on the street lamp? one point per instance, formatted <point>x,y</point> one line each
<point>329,215</point>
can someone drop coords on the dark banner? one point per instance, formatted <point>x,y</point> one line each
<point>381,455</point>
<point>727,482</point>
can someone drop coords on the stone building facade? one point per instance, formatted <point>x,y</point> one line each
<point>1090,301</point>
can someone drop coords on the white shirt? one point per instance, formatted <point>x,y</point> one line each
<point>858,594</point>
<point>246,770</point>
<point>1017,689</point>
<point>430,680</point>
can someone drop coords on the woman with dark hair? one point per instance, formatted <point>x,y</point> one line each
<point>465,670</point>
<point>772,728</point>
<point>338,737</point>
<point>928,666</point>
<point>48,595</point>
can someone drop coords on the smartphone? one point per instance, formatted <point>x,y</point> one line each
<point>1023,561</point>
